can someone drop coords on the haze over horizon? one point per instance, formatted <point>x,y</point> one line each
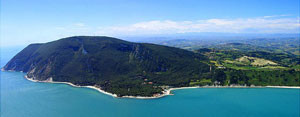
<point>34,21</point>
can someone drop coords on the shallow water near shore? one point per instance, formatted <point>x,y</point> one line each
<point>20,97</point>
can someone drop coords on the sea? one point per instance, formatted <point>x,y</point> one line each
<point>22,98</point>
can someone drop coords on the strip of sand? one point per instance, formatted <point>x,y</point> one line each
<point>289,87</point>
<point>71,84</point>
<point>166,92</point>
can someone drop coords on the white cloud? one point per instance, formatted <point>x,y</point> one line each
<point>266,24</point>
<point>272,16</point>
<point>79,24</point>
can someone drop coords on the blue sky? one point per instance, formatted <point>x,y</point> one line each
<point>32,21</point>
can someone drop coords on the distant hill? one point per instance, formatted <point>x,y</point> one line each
<point>240,47</point>
<point>286,45</point>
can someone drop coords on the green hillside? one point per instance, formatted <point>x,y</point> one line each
<point>117,66</point>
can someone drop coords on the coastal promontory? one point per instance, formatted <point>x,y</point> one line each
<point>129,69</point>
<point>116,66</point>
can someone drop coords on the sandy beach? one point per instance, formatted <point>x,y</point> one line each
<point>166,92</point>
<point>289,87</point>
<point>71,84</point>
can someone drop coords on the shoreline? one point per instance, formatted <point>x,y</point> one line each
<point>166,92</point>
<point>73,85</point>
<point>285,87</point>
<point>98,89</point>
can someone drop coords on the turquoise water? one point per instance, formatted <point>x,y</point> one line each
<point>23,98</point>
